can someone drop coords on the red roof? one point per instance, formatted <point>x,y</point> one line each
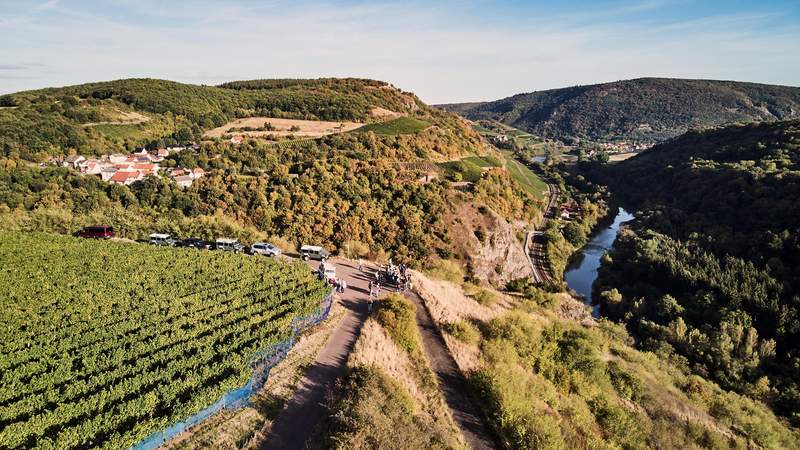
<point>121,177</point>
<point>144,166</point>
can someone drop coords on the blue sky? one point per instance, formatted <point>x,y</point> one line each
<point>444,51</point>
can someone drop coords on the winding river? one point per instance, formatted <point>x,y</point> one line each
<point>581,274</point>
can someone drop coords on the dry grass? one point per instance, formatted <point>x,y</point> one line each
<point>307,128</point>
<point>617,157</point>
<point>123,118</point>
<point>375,348</point>
<point>383,113</point>
<point>448,304</point>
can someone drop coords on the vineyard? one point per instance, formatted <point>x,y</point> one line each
<point>104,343</point>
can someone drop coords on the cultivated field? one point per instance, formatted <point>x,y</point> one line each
<point>282,127</point>
<point>104,343</point>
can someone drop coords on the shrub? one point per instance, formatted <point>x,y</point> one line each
<point>628,386</point>
<point>618,424</point>
<point>445,270</point>
<point>355,249</point>
<point>464,331</point>
<point>397,315</point>
<point>485,297</point>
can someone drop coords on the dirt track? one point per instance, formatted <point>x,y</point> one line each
<point>465,411</point>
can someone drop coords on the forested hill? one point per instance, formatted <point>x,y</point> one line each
<point>385,188</point>
<point>120,115</point>
<point>644,109</point>
<point>710,269</point>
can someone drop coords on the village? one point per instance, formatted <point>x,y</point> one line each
<point>126,169</point>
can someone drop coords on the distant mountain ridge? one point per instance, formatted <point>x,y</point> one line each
<point>643,109</point>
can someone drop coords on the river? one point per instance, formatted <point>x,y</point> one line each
<point>580,275</point>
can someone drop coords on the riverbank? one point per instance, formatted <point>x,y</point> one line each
<point>583,269</point>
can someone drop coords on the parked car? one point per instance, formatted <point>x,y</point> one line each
<point>314,252</point>
<point>163,239</point>
<point>97,232</point>
<point>264,248</point>
<point>193,242</point>
<point>229,245</point>
<point>327,272</point>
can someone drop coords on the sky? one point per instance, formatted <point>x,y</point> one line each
<point>445,51</point>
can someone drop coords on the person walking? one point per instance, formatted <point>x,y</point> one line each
<point>342,286</point>
<point>360,265</point>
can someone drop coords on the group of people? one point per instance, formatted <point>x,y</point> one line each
<point>397,275</point>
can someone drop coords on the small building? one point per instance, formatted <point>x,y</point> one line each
<point>126,177</point>
<point>73,161</point>
<point>237,139</point>
<point>117,158</point>
<point>107,172</point>
<point>184,181</point>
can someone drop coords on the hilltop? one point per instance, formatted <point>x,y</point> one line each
<point>646,109</point>
<point>123,114</point>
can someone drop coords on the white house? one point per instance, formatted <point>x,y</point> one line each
<point>73,161</point>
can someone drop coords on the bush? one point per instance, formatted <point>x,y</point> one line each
<point>464,331</point>
<point>397,315</point>
<point>628,386</point>
<point>445,270</point>
<point>485,297</point>
<point>355,249</point>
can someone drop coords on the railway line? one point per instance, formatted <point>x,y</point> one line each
<point>535,248</point>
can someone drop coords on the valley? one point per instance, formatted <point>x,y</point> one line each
<point>467,260</point>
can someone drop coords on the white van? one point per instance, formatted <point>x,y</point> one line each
<point>314,252</point>
<point>228,245</point>
<point>264,248</point>
<point>162,239</point>
<point>326,271</point>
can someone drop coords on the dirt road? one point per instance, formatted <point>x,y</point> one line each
<point>465,411</point>
<point>305,410</point>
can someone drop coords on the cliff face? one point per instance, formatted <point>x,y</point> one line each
<point>490,244</point>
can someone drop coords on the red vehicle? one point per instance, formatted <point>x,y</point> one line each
<point>97,232</point>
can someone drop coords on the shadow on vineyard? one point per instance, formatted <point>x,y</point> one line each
<point>262,362</point>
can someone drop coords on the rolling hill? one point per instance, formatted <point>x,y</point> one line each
<point>709,270</point>
<point>376,187</point>
<point>646,109</point>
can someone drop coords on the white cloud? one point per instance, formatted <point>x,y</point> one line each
<point>440,56</point>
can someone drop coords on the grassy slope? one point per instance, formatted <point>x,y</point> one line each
<point>390,398</point>
<point>525,177</point>
<point>401,125</point>
<point>550,382</point>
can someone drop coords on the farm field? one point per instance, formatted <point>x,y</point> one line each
<point>401,125</point>
<point>104,343</point>
<point>525,176</point>
<point>282,127</point>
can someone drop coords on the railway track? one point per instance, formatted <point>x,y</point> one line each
<point>534,242</point>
